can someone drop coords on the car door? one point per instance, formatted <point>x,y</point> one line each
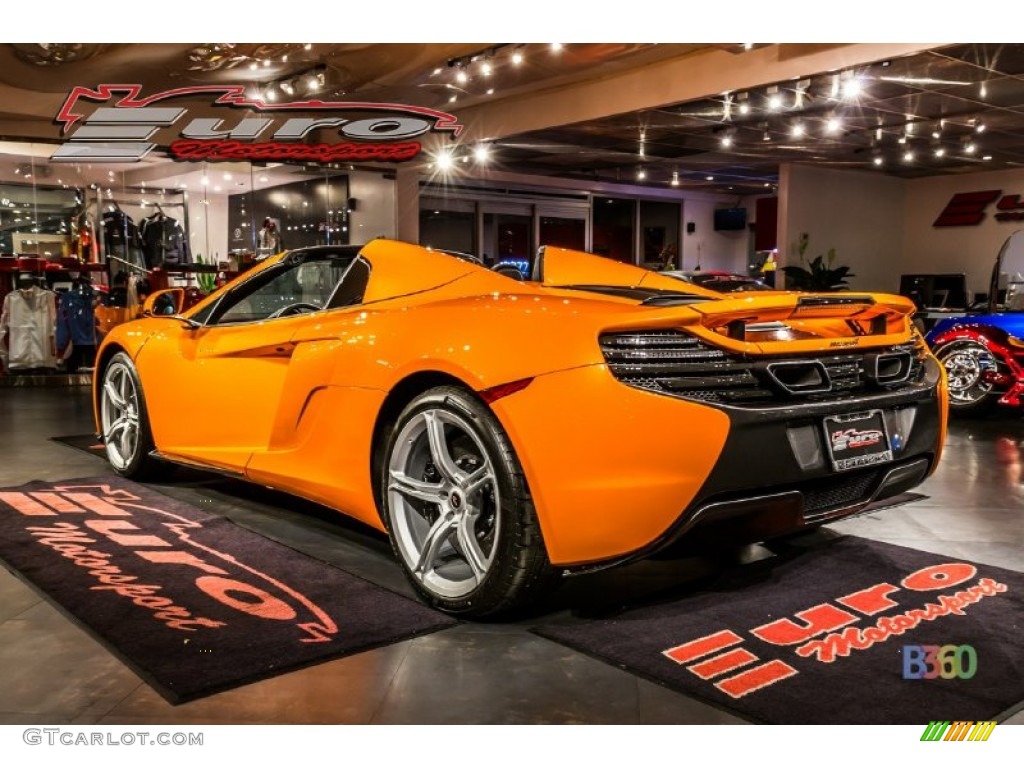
<point>221,384</point>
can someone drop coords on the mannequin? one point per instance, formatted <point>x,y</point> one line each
<point>269,241</point>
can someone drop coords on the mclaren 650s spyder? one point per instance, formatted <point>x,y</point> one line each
<point>506,432</point>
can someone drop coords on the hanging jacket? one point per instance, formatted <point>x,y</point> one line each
<point>121,238</point>
<point>76,319</point>
<point>163,241</point>
<point>28,318</point>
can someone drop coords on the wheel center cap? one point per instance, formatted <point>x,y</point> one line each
<point>455,500</point>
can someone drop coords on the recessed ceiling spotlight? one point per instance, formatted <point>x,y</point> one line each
<point>940,152</point>
<point>878,161</point>
<point>517,58</point>
<point>727,141</point>
<point>936,134</point>
<point>490,91</point>
<point>486,69</point>
<point>641,174</point>
<point>987,157</point>
<point>908,157</point>
<point>798,129</point>
<point>744,108</point>
<point>709,178</point>
<point>747,46</point>
<point>774,102</point>
<point>263,179</point>
<point>970,148</point>
<point>444,160</point>
<point>452,99</point>
<point>482,153</point>
<point>227,176</point>
<point>852,88</point>
<point>833,125</point>
<point>980,128</point>
<point>983,91</point>
<point>556,47</point>
<point>902,140</point>
<point>461,76</point>
<point>437,71</point>
<point>308,47</point>
<point>254,65</point>
<point>675,178</point>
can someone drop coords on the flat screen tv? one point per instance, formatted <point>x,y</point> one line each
<point>730,219</point>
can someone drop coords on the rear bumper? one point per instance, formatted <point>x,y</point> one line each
<point>653,471</point>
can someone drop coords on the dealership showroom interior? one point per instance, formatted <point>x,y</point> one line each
<point>512,383</point>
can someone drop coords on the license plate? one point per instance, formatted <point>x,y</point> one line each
<point>857,440</point>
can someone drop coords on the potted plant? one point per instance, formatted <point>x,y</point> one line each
<point>818,275</point>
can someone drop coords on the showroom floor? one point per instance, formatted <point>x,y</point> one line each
<point>55,673</point>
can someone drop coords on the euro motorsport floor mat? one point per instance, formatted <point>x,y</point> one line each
<point>193,603</point>
<point>845,631</point>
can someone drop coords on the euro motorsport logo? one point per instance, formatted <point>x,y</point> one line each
<point>124,127</point>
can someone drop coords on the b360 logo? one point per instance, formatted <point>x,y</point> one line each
<point>931,662</point>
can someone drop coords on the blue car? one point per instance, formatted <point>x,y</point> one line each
<point>984,354</point>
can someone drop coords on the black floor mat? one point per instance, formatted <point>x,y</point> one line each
<point>193,603</point>
<point>743,643</point>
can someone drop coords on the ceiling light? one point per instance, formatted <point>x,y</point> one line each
<point>774,101</point>
<point>266,62</point>
<point>308,47</point>
<point>461,76</point>
<point>452,99</point>
<point>902,139</point>
<point>936,134</point>
<point>641,174</point>
<point>263,179</point>
<point>983,91</point>
<point>747,46</point>
<point>204,181</point>
<point>485,69</point>
<point>878,161</point>
<point>970,148</point>
<point>227,176</point>
<point>852,88</point>
<point>437,71</point>
<point>284,59</point>
<point>833,125</point>
<point>980,128</point>
<point>517,58</point>
<point>727,141</point>
<point>556,47</point>
<point>490,91</point>
<point>271,94</point>
<point>675,178</point>
<point>313,82</point>
<point>286,86</point>
<point>216,189</point>
<point>482,153</point>
<point>709,178</point>
<point>254,65</point>
<point>444,160</point>
<point>987,157</point>
<point>744,108</point>
<point>940,152</point>
<point>908,128</point>
<point>908,157</point>
<point>798,129</point>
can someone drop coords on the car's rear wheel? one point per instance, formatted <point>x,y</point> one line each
<point>966,362</point>
<point>458,507</point>
<point>124,420</point>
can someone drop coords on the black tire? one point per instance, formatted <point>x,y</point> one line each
<point>134,463</point>
<point>487,557</point>
<point>964,360</point>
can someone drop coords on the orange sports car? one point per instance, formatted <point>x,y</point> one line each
<point>506,431</point>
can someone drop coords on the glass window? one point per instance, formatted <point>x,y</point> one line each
<point>659,225</point>
<point>300,285</point>
<point>448,230</point>
<point>613,228</point>
<point>563,232</point>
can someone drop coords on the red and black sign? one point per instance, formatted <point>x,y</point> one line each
<point>116,124</point>
<point>968,209</point>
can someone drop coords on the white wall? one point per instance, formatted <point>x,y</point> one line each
<point>208,225</point>
<point>374,215</point>
<point>971,250</point>
<point>718,250</point>
<point>859,214</point>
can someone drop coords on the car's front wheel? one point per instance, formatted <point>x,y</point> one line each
<point>124,420</point>
<point>966,361</point>
<point>458,507</point>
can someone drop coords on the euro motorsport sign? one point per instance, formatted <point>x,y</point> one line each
<point>116,124</point>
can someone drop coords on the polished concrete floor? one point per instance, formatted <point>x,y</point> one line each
<point>54,673</point>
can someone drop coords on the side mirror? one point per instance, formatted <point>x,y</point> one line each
<point>165,303</point>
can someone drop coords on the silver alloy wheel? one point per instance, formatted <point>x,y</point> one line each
<point>119,414</point>
<point>444,503</point>
<point>965,364</point>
